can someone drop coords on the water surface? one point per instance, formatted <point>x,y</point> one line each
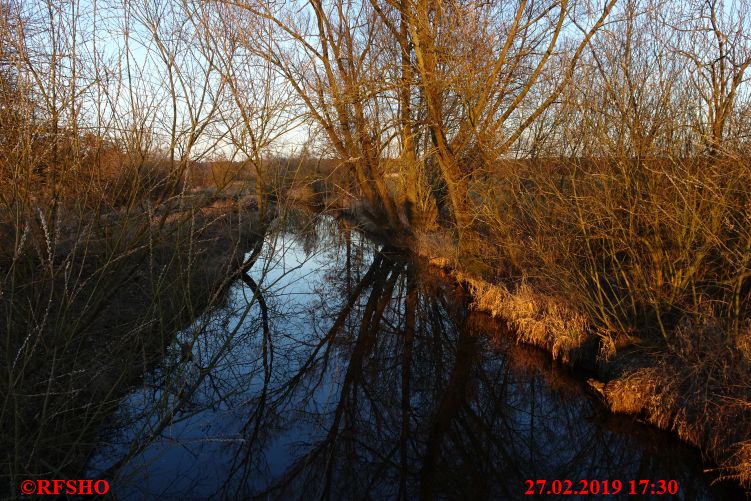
<point>340,369</point>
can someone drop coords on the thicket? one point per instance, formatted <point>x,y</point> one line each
<point>593,153</point>
<point>118,226</point>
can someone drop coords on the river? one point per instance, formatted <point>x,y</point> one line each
<point>339,368</point>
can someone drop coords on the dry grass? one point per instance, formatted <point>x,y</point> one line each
<point>705,402</point>
<point>94,284</point>
<point>636,246</point>
<point>303,195</point>
<point>698,387</point>
<point>739,465</point>
<point>647,259</point>
<point>536,319</point>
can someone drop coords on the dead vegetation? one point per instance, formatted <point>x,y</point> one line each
<point>109,245</point>
<point>638,271</point>
<point>89,307</point>
<point>592,164</point>
<point>535,319</point>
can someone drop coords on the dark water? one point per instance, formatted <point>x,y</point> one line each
<point>342,370</point>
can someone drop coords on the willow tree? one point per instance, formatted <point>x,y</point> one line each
<point>332,56</point>
<point>470,76</point>
<point>256,108</point>
<point>483,71</point>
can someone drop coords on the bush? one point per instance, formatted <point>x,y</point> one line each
<point>637,245</point>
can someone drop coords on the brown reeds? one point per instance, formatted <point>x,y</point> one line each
<point>119,225</point>
<point>649,258</point>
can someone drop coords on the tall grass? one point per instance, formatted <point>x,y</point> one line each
<point>655,255</point>
<point>96,274</point>
<point>639,246</point>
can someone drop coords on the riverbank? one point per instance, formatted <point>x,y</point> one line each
<point>94,303</point>
<point>392,358</point>
<point>696,387</point>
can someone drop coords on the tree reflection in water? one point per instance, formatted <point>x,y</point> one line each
<point>340,369</point>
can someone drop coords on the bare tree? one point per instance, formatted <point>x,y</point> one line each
<point>716,42</point>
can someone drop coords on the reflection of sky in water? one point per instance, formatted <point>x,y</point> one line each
<point>192,453</point>
<point>475,420</point>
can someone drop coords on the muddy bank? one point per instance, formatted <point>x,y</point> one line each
<point>698,387</point>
